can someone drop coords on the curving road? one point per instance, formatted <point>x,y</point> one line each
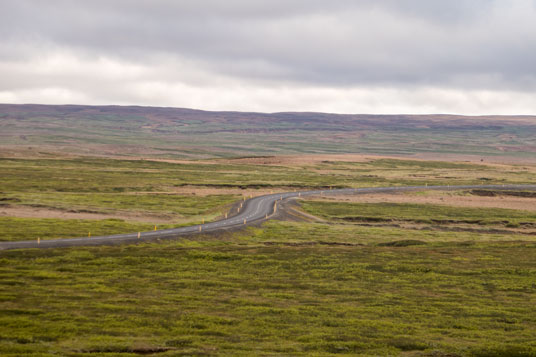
<point>253,210</point>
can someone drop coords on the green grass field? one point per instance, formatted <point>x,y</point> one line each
<point>247,295</point>
<point>123,176</point>
<point>16,229</point>
<point>419,213</point>
<point>148,188</point>
<point>173,204</point>
<point>372,279</point>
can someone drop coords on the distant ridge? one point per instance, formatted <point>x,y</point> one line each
<point>165,132</point>
<point>137,108</point>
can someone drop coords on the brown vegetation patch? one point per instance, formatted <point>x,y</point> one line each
<point>475,159</point>
<point>314,159</point>
<point>443,198</point>
<point>136,350</point>
<point>41,212</point>
<point>306,244</point>
<point>492,193</point>
<point>285,160</point>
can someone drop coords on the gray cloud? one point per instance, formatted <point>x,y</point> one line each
<point>114,51</point>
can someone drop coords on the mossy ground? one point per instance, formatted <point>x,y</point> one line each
<point>419,213</point>
<point>243,294</point>
<point>141,188</point>
<point>285,288</point>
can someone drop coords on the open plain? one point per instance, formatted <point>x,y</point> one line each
<point>415,273</point>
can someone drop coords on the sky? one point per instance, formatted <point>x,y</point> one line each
<point>471,57</point>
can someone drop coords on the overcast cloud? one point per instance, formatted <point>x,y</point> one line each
<point>380,56</point>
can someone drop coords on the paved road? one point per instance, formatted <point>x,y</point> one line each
<point>253,210</point>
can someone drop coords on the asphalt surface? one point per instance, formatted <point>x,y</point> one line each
<point>253,210</point>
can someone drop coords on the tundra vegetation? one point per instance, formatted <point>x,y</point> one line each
<point>363,278</point>
<point>52,130</point>
<point>135,195</point>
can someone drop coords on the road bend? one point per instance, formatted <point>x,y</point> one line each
<point>253,210</point>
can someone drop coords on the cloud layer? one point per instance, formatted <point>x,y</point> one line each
<point>382,56</point>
